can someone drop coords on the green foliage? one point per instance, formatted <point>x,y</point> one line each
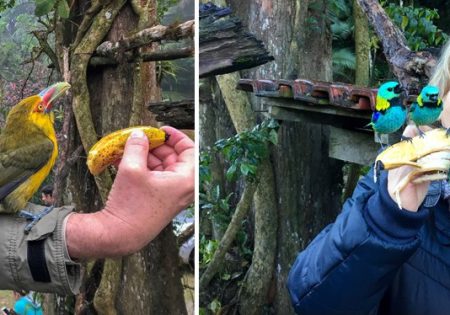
<point>44,7</point>
<point>167,68</point>
<point>417,24</point>
<point>17,41</point>
<point>207,250</point>
<point>246,150</point>
<point>6,4</point>
<point>63,9</point>
<point>215,306</point>
<point>340,15</point>
<point>243,153</point>
<point>164,6</point>
<point>344,63</point>
<point>341,19</point>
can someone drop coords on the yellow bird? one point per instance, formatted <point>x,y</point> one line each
<point>28,150</point>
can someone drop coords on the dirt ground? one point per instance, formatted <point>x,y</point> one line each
<point>6,299</point>
<point>189,292</point>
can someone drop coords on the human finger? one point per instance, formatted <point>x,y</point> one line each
<point>135,154</point>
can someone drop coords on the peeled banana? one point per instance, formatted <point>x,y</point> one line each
<point>110,148</point>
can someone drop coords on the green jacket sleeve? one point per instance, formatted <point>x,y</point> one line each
<point>38,261</point>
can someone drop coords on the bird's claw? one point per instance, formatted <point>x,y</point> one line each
<point>447,132</point>
<point>422,134</point>
<point>405,138</point>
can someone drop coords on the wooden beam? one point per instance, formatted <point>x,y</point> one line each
<point>352,146</point>
<point>321,109</point>
<point>179,114</point>
<point>160,55</point>
<point>142,38</point>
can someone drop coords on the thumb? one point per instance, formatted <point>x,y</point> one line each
<point>136,151</point>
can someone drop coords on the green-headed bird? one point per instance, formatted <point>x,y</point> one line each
<point>28,150</point>
<point>390,113</point>
<point>427,108</point>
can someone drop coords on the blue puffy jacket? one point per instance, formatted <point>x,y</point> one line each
<point>377,259</point>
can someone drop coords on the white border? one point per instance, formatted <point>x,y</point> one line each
<point>197,159</point>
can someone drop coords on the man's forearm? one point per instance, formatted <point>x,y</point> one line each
<point>148,192</point>
<point>102,234</point>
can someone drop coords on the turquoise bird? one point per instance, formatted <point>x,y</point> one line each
<point>390,113</point>
<point>427,108</point>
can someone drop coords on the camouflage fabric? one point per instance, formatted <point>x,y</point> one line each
<point>15,274</point>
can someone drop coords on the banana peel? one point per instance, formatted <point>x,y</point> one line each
<point>429,155</point>
<point>111,147</point>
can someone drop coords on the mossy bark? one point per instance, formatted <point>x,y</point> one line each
<point>259,276</point>
<point>297,34</point>
<point>362,78</point>
<point>101,103</point>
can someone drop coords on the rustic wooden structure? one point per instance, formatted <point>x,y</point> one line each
<point>179,114</point>
<point>225,46</point>
<point>346,108</point>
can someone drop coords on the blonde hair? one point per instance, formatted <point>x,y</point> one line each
<point>441,73</point>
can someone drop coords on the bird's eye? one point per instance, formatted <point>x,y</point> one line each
<point>40,107</point>
<point>390,89</point>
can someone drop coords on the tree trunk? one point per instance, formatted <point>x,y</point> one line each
<point>110,98</point>
<point>297,35</point>
<point>257,284</point>
<point>214,123</point>
<point>362,78</point>
<point>362,46</point>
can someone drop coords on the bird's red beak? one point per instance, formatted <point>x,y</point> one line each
<point>51,93</point>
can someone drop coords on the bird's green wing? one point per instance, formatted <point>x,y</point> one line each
<point>17,165</point>
<point>382,104</point>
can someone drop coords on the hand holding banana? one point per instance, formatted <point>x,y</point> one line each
<point>150,188</point>
<point>110,148</point>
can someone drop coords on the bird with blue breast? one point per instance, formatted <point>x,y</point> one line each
<point>427,108</point>
<point>390,113</point>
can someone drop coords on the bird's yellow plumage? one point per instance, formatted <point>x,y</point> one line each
<point>382,104</point>
<point>28,148</point>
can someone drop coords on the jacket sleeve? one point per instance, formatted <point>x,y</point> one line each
<point>347,268</point>
<point>37,261</point>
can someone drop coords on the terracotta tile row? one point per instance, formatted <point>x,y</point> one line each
<point>316,92</point>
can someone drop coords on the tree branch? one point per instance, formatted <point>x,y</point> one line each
<point>87,21</point>
<point>165,54</point>
<point>81,100</point>
<point>408,66</point>
<point>147,36</point>
<point>242,209</point>
<point>41,36</point>
<point>186,234</point>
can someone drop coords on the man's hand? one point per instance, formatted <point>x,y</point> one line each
<point>412,195</point>
<point>150,189</point>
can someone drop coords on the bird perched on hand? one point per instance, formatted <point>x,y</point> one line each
<point>390,113</point>
<point>28,150</point>
<point>427,108</point>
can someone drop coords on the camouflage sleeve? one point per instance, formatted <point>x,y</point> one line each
<point>37,261</point>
